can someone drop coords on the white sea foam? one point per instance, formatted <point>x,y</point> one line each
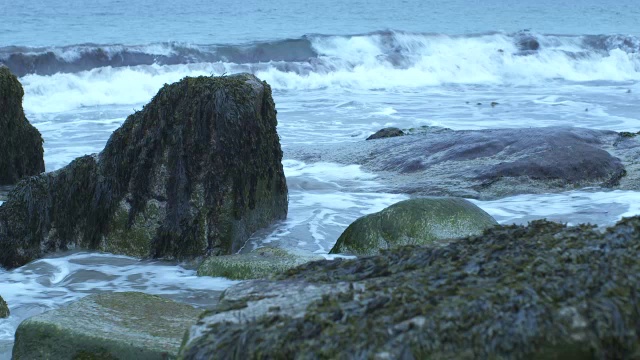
<point>53,282</point>
<point>573,207</point>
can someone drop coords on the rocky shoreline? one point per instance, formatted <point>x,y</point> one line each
<point>199,169</point>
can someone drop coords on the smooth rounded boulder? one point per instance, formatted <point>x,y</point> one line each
<point>413,222</point>
<point>20,143</point>
<point>194,173</point>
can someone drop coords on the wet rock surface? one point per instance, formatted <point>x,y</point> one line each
<point>413,222</point>
<point>260,263</point>
<point>194,173</point>
<point>21,143</point>
<point>4,308</point>
<point>385,133</point>
<point>125,325</point>
<point>542,291</point>
<point>489,164</point>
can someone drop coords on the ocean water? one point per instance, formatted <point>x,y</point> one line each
<point>339,71</point>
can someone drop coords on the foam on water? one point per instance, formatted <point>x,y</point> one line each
<point>56,281</point>
<point>602,208</point>
<point>324,198</point>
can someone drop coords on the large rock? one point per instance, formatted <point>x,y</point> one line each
<point>488,164</point>
<point>413,222</point>
<point>195,172</point>
<point>20,143</point>
<point>544,291</point>
<point>125,325</point>
<point>260,263</point>
<point>4,308</point>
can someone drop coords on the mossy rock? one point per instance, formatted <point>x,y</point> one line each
<point>259,263</point>
<point>20,143</point>
<point>4,308</point>
<point>126,325</point>
<point>413,222</point>
<point>386,133</point>
<point>194,173</point>
<point>541,291</point>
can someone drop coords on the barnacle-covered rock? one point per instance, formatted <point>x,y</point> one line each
<point>542,291</point>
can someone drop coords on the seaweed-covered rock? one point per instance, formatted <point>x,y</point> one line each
<point>413,222</point>
<point>542,291</point>
<point>127,325</point>
<point>259,263</point>
<point>4,308</point>
<point>20,143</point>
<point>489,164</point>
<point>385,133</point>
<point>194,173</point>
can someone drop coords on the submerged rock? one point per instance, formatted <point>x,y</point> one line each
<point>21,152</point>
<point>542,291</point>
<point>488,164</point>
<point>260,263</point>
<point>126,325</point>
<point>4,308</point>
<point>385,133</point>
<point>413,222</point>
<point>195,172</point>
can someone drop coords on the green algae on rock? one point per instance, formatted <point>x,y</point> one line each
<point>4,309</point>
<point>20,143</point>
<point>194,173</point>
<point>542,291</point>
<point>126,325</point>
<point>413,222</point>
<point>259,263</point>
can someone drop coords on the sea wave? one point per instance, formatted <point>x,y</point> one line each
<point>54,79</point>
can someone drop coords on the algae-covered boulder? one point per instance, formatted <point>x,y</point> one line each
<point>21,152</point>
<point>195,172</point>
<point>542,291</point>
<point>413,222</point>
<point>126,325</point>
<point>259,263</point>
<point>4,308</point>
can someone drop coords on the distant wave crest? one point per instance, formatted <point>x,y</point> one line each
<point>88,75</point>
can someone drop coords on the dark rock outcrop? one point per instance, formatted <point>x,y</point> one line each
<point>4,308</point>
<point>489,164</point>
<point>21,152</point>
<point>385,133</point>
<point>195,172</point>
<point>526,42</point>
<point>413,222</point>
<point>542,291</point>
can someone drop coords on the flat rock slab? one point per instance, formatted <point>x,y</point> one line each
<point>489,164</point>
<point>259,263</point>
<point>126,325</point>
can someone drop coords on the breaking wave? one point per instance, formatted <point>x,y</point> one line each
<point>118,74</point>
